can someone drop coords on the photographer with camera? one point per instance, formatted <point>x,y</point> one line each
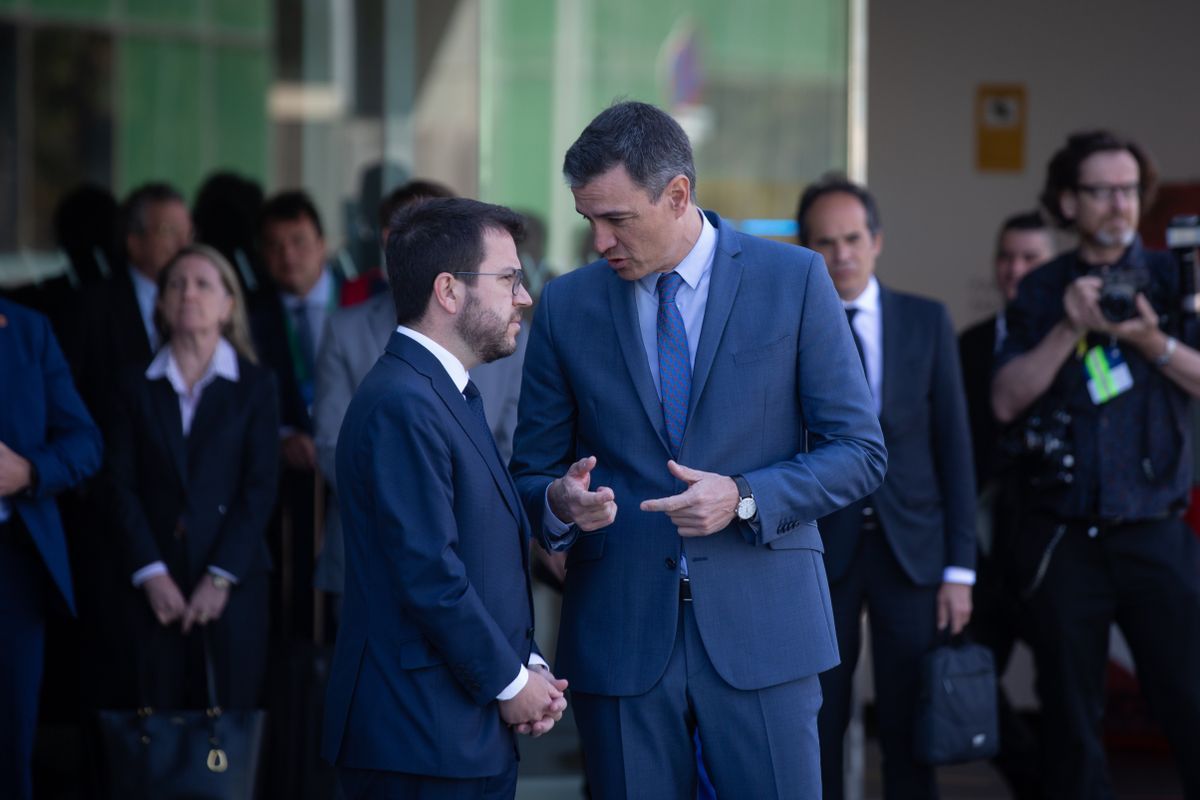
<point>1088,367</point>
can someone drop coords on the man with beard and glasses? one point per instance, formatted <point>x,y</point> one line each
<point>1086,364</point>
<point>435,666</point>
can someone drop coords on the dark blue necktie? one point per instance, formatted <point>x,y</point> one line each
<point>850,312</point>
<point>674,364</point>
<point>475,403</point>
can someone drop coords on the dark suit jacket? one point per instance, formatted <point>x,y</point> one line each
<point>777,395</point>
<point>43,420</point>
<point>438,613</point>
<point>103,338</point>
<point>268,324</point>
<point>927,501</point>
<point>977,349</point>
<point>199,501</point>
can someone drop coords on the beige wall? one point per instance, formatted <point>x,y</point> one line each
<point>1134,67</point>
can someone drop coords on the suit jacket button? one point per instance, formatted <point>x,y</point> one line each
<point>671,564</point>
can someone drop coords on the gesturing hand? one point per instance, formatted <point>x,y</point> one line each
<point>705,507</point>
<point>166,601</point>
<point>573,502</point>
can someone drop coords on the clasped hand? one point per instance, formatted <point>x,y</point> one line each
<point>166,601</point>
<point>538,705</point>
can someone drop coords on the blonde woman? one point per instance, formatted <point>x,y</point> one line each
<point>193,454</point>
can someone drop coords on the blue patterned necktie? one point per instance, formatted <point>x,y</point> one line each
<point>674,363</point>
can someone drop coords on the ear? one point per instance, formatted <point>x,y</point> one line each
<point>877,243</point>
<point>447,293</point>
<point>1068,204</point>
<point>678,193</point>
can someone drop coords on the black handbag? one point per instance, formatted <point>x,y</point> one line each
<point>209,754</point>
<point>956,713</point>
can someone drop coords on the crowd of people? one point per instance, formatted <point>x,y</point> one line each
<point>724,449</point>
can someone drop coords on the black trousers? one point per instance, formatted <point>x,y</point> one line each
<point>24,584</point>
<point>1145,577</point>
<point>903,629</point>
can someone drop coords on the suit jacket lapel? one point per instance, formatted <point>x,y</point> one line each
<point>165,407</point>
<point>426,364</point>
<point>889,337</point>
<point>629,337</point>
<point>722,288</point>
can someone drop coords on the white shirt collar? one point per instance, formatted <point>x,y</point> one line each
<point>695,264</point>
<point>868,299</point>
<point>317,296</point>
<point>222,365</point>
<point>454,368</point>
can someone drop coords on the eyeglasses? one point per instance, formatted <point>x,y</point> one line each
<point>516,276</point>
<point>1107,192</point>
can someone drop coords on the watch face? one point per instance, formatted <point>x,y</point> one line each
<point>746,508</point>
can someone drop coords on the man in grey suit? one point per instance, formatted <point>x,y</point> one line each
<point>906,552</point>
<point>705,383</point>
<point>354,339</point>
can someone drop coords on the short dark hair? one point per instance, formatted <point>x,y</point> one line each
<point>645,139</point>
<point>1025,222</point>
<point>287,206</point>
<point>436,236</point>
<point>1062,173</point>
<point>831,183</point>
<point>401,196</point>
<point>133,210</point>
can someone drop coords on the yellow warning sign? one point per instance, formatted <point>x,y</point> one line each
<point>1001,115</point>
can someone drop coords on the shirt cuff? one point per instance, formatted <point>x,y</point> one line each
<point>514,688</point>
<point>537,661</point>
<point>958,575</point>
<point>147,572</point>
<point>229,576</point>
<point>554,526</point>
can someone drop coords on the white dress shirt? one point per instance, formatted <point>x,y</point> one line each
<point>458,374</point>
<point>315,305</point>
<point>146,292</point>
<point>692,300</point>
<point>223,364</point>
<point>868,326</point>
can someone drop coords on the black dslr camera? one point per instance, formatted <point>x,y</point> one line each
<point>1118,293</point>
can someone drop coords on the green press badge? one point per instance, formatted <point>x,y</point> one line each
<point>1108,374</point>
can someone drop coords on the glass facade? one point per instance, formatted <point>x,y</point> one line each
<point>347,98</point>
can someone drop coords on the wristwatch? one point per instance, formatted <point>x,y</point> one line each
<point>1168,351</point>
<point>747,509</point>
<point>219,581</point>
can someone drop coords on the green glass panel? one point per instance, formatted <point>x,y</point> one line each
<point>163,132</point>
<point>77,9</point>
<point>177,12</point>
<point>241,79</point>
<point>251,16</point>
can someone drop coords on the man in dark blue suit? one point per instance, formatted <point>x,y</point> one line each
<point>706,383</point>
<point>47,444</point>
<point>435,665</point>
<point>906,552</point>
